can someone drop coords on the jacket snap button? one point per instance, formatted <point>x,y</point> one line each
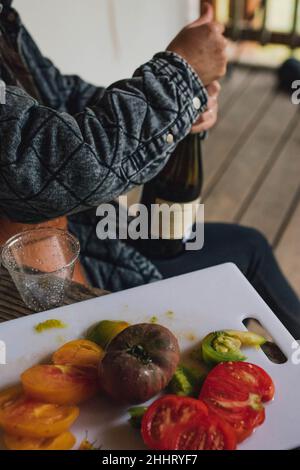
<point>170,138</point>
<point>197,103</point>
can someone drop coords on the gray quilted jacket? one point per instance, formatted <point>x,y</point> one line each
<point>67,146</point>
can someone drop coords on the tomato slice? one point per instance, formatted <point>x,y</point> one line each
<point>235,392</point>
<point>243,419</point>
<point>8,396</point>
<point>164,415</point>
<point>254,377</point>
<point>82,353</point>
<point>204,433</point>
<point>62,385</point>
<point>64,441</point>
<point>29,418</point>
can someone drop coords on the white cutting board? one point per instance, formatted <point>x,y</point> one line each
<point>208,300</point>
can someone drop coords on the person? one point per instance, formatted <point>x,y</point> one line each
<point>68,146</point>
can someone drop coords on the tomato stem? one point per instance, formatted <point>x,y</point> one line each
<point>140,353</point>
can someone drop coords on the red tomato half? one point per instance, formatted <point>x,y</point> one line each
<point>254,377</point>
<point>235,392</point>
<point>205,433</point>
<point>164,415</point>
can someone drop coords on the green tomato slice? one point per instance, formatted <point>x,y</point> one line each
<point>186,382</point>
<point>225,346</point>
<point>105,331</point>
<point>247,338</point>
<point>136,416</point>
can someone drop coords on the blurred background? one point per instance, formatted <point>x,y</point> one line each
<point>252,158</point>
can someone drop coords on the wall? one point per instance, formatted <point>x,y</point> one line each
<point>104,40</point>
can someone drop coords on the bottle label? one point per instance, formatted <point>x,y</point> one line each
<point>173,220</point>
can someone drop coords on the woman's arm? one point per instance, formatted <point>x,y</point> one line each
<point>52,163</point>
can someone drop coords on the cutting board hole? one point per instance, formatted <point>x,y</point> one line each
<point>270,348</point>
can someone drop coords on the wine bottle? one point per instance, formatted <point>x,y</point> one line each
<point>180,183</point>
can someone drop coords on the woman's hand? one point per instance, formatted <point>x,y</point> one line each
<point>209,118</point>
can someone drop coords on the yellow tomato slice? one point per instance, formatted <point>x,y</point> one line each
<point>62,385</point>
<point>29,418</point>
<point>82,353</point>
<point>8,396</point>
<point>64,441</point>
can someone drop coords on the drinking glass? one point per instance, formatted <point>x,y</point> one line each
<point>41,263</point>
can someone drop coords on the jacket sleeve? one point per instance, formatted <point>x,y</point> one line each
<point>54,164</point>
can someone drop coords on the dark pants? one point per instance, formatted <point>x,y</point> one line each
<point>251,252</point>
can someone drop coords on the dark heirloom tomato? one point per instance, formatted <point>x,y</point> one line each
<point>235,392</point>
<point>139,363</point>
<point>166,414</point>
<point>204,433</point>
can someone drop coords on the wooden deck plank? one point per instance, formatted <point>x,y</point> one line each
<point>251,163</point>
<point>288,251</point>
<point>275,197</point>
<point>12,306</point>
<point>231,132</point>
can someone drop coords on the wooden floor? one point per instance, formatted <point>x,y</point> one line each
<point>252,164</point>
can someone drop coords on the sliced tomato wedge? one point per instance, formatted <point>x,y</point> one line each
<point>29,418</point>
<point>164,415</point>
<point>254,377</point>
<point>64,441</point>
<point>81,353</point>
<point>9,396</point>
<point>62,385</point>
<point>235,392</point>
<point>204,433</point>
